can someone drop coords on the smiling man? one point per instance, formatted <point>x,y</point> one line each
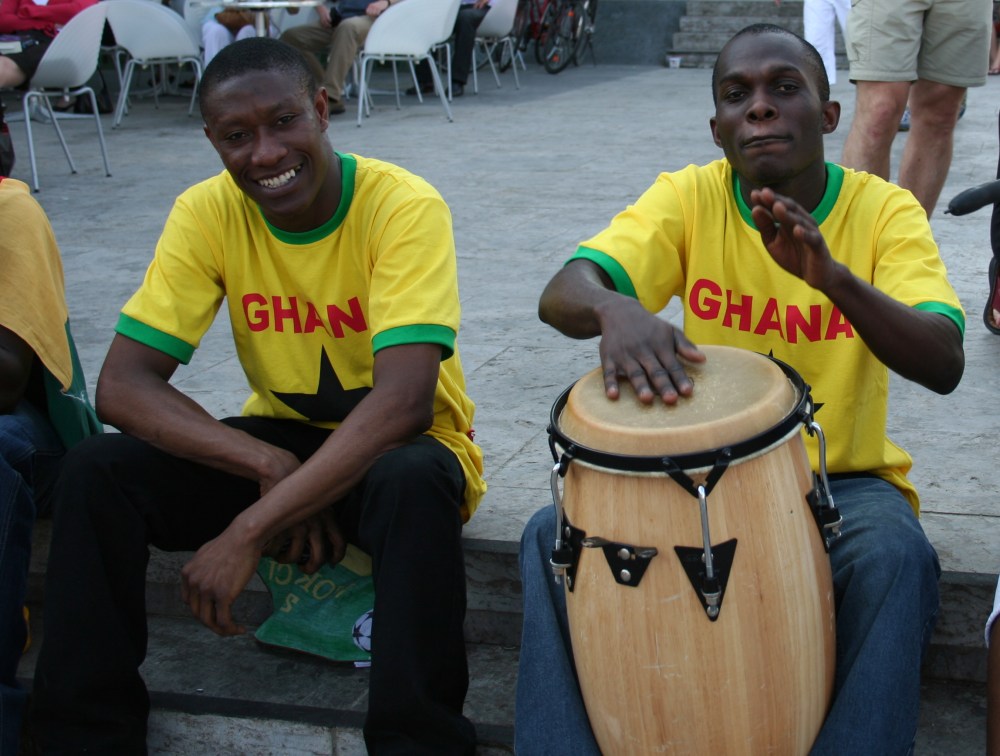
<point>835,272</point>
<point>339,276</point>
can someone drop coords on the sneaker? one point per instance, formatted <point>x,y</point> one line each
<point>904,122</point>
<point>337,107</point>
<point>457,89</point>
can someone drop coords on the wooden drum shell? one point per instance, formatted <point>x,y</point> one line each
<point>657,675</point>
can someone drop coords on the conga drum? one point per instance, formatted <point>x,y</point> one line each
<point>699,590</point>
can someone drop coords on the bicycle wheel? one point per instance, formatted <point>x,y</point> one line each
<point>564,36</point>
<point>544,31</point>
<point>522,25</point>
<point>590,16</point>
<point>504,58</point>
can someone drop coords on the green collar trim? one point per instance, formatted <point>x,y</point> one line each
<point>834,181</point>
<point>348,172</point>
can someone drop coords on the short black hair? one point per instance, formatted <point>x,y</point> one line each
<point>812,57</point>
<point>256,54</point>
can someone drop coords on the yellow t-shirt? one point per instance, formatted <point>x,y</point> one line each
<point>691,235</point>
<point>309,310</point>
<point>33,305</point>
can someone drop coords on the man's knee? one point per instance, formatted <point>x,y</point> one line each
<point>418,466</point>
<point>351,31</point>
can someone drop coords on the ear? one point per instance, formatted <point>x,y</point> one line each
<point>715,131</point>
<point>831,116</point>
<point>322,105</point>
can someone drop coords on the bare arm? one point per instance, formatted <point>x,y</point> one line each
<point>399,407</point>
<point>16,358</point>
<point>580,302</point>
<point>924,347</point>
<point>135,396</point>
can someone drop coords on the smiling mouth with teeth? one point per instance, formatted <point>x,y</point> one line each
<point>278,181</point>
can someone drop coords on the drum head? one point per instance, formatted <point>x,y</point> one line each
<point>738,394</point>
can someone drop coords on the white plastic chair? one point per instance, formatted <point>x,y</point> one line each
<point>64,70</point>
<point>495,29</point>
<point>407,32</point>
<point>153,35</point>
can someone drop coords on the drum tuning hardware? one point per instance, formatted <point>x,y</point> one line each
<point>628,563</point>
<point>820,500</point>
<point>566,552</point>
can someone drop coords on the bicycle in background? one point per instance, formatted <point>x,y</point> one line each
<point>560,29</point>
<point>569,35</point>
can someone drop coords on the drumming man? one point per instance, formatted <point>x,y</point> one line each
<point>340,277</point>
<point>833,272</point>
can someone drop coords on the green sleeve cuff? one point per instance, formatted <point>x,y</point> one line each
<point>619,278</point>
<point>417,334</point>
<point>151,337</point>
<point>953,313</point>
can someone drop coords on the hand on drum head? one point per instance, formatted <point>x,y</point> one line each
<point>645,350</point>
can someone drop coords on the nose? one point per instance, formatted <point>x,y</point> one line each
<point>268,149</point>
<point>761,107</point>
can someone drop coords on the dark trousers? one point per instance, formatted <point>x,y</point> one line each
<point>464,37</point>
<point>116,495</point>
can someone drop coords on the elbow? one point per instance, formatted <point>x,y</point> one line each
<point>951,375</point>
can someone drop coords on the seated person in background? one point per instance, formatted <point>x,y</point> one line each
<point>470,16</point>
<point>223,26</point>
<point>43,410</point>
<point>339,34</point>
<point>771,227</point>
<point>340,276</point>
<point>36,24</point>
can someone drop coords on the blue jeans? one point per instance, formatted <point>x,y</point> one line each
<point>29,450</point>
<point>885,575</point>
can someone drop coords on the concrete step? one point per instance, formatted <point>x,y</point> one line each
<point>759,9</point>
<point>707,26</point>
<point>494,602</point>
<point>234,697</point>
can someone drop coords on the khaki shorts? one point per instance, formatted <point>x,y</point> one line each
<point>946,41</point>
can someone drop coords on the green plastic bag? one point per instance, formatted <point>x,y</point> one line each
<point>326,614</point>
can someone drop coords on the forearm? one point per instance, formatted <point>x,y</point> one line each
<point>924,347</point>
<point>378,424</point>
<point>16,358</point>
<point>156,412</point>
<point>574,299</point>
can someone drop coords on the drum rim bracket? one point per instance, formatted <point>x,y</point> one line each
<point>710,590</point>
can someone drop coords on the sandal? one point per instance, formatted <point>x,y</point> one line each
<point>991,315</point>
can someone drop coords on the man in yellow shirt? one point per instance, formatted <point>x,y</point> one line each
<point>340,277</point>
<point>835,272</point>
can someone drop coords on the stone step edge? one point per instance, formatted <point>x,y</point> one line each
<point>494,603</point>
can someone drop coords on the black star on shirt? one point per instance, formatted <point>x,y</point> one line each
<point>331,402</point>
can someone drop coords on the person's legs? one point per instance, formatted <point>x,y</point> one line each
<point>879,106</point>
<point>549,714</point>
<point>11,74</point>
<point>214,36</point>
<point>885,575</point>
<point>818,19</point>
<point>348,38</point>
<point>312,40</point>
<point>26,437</point>
<point>406,515</point>
<point>114,496</point>
<point>466,23</point>
<point>927,154</point>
